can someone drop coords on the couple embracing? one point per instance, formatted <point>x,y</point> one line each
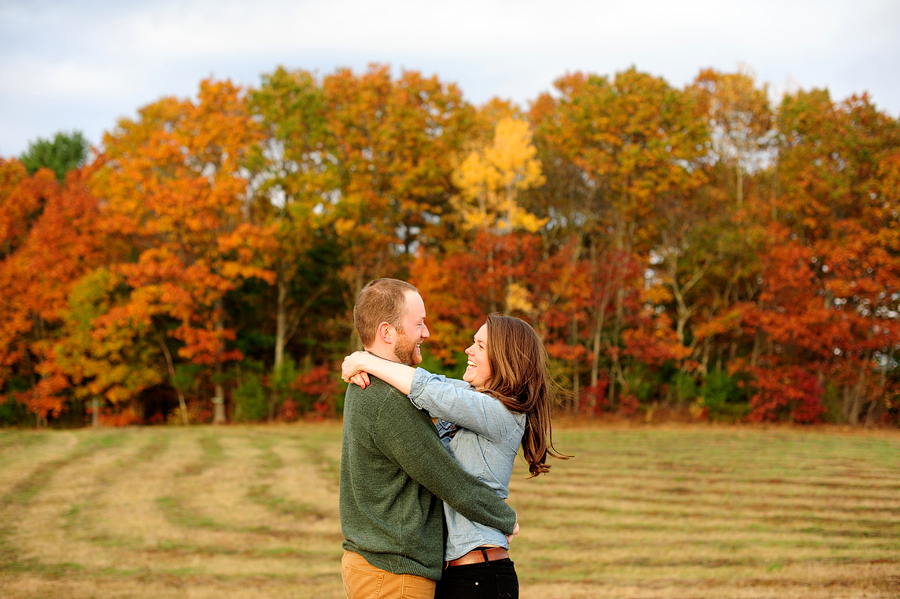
<point>423,510</point>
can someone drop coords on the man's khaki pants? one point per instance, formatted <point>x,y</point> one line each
<point>364,581</point>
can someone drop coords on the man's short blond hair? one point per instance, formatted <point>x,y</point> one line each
<point>381,300</point>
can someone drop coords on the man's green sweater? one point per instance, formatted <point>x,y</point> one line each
<point>394,474</point>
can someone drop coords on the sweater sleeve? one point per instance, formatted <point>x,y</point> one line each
<point>407,436</point>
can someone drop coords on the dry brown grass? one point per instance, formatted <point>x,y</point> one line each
<point>641,512</point>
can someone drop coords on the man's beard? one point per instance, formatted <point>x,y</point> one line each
<point>405,350</point>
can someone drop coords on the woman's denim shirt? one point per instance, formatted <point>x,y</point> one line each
<point>484,442</point>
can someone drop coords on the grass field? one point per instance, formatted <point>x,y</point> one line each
<point>643,512</point>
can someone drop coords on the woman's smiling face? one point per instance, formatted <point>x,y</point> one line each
<point>479,369</point>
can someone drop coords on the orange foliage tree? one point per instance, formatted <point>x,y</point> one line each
<point>395,142</point>
<point>831,278</point>
<point>174,186</point>
<point>51,238</point>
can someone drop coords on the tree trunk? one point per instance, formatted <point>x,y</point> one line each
<point>281,319</point>
<point>615,371</point>
<point>595,353</point>
<point>757,347</point>
<point>280,336</point>
<point>859,391</point>
<point>95,412</point>
<point>219,398</point>
<point>599,322</point>
<point>576,378</point>
<point>704,360</point>
<point>882,383</point>
<point>845,404</point>
<point>170,365</point>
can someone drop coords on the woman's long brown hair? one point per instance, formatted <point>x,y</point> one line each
<point>520,380</point>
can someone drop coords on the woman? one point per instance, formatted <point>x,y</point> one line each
<point>502,402</point>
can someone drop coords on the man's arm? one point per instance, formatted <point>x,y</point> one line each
<point>407,436</point>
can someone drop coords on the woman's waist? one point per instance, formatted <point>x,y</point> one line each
<point>479,555</point>
<point>464,535</point>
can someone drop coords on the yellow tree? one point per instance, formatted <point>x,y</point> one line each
<point>490,180</point>
<point>116,365</point>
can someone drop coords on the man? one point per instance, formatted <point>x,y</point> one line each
<point>394,469</point>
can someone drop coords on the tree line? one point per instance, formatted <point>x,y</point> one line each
<point>704,249</point>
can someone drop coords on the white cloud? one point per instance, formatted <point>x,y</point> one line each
<point>92,61</point>
<point>29,77</point>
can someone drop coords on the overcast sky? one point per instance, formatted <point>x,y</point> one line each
<point>82,64</point>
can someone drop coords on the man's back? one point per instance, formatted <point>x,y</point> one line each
<point>387,515</point>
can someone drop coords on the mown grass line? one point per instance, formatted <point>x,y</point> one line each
<point>212,454</point>
<point>74,517</point>
<point>182,516</point>
<point>328,467</point>
<point>799,507</point>
<point>21,440</point>
<point>612,478</point>
<point>286,552</point>
<point>78,515</point>
<point>25,491</point>
<point>716,499</point>
<point>262,495</point>
<point>260,492</point>
<point>804,522</point>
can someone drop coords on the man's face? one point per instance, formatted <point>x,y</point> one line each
<point>413,331</point>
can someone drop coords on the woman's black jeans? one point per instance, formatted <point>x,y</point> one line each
<point>489,580</point>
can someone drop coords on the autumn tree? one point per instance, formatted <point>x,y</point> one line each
<point>637,142</point>
<point>490,180</point>
<point>395,142</point>
<point>175,186</point>
<point>52,237</point>
<point>831,288</point>
<point>741,120</point>
<point>116,366</point>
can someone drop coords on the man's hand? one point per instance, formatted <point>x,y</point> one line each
<point>509,538</point>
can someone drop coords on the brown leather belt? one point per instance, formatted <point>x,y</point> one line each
<point>479,556</point>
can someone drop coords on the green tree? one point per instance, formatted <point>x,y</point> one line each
<point>294,178</point>
<point>67,151</point>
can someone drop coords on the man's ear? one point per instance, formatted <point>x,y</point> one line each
<point>386,333</point>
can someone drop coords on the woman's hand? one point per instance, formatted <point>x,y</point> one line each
<point>351,369</point>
